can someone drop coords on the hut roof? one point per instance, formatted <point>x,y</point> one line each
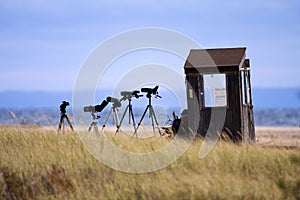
<point>223,58</point>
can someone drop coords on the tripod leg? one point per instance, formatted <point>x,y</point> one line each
<point>151,116</point>
<point>135,132</point>
<point>69,122</point>
<point>90,128</point>
<point>60,122</point>
<point>155,120</point>
<point>96,127</point>
<point>116,117</point>
<point>119,126</point>
<point>94,124</point>
<point>129,113</point>
<point>106,119</point>
<point>63,124</point>
<point>132,116</point>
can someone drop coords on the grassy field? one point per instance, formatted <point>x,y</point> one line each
<point>38,163</point>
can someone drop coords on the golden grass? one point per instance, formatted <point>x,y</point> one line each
<point>39,163</point>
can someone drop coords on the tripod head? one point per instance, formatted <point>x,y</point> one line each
<point>126,95</point>
<point>116,102</point>
<point>95,117</point>
<point>151,91</point>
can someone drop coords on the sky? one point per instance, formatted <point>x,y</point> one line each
<point>44,43</point>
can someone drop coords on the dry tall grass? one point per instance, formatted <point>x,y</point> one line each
<point>39,163</point>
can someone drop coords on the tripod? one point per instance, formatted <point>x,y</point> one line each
<point>131,116</point>
<point>94,123</point>
<point>151,115</point>
<point>115,111</point>
<point>62,123</point>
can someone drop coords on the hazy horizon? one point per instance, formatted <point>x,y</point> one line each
<point>263,98</point>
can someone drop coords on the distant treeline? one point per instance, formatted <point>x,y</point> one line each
<point>50,117</point>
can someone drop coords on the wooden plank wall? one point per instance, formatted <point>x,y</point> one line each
<point>233,121</point>
<point>193,100</point>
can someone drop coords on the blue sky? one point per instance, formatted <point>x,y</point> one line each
<point>43,43</point>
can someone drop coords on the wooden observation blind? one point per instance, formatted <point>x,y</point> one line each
<point>218,84</point>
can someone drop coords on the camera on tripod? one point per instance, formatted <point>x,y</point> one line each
<point>127,95</point>
<point>63,114</point>
<point>63,106</point>
<point>96,108</point>
<point>151,91</point>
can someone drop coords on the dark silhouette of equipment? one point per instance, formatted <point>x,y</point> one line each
<point>63,116</point>
<point>93,110</point>
<point>150,92</point>
<point>175,123</point>
<point>128,96</point>
<point>180,124</point>
<point>115,105</point>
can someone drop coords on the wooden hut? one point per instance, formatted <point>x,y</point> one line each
<point>218,80</point>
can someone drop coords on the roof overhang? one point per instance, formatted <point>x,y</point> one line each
<point>215,60</point>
